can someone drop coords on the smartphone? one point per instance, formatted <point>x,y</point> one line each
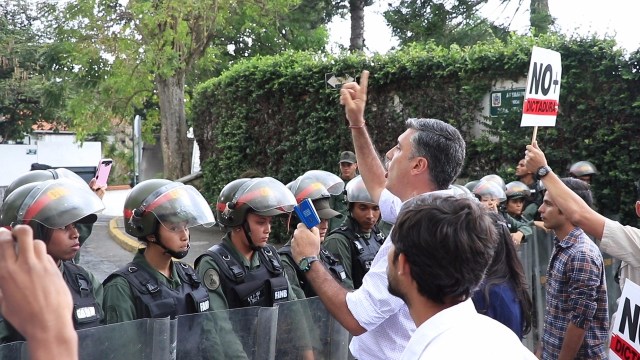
<point>102,173</point>
<point>307,213</point>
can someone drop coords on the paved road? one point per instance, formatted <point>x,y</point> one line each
<point>102,255</point>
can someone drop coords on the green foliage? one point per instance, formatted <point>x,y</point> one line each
<point>444,22</point>
<point>24,89</point>
<point>277,115</point>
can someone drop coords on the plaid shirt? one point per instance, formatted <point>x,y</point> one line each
<point>576,292</point>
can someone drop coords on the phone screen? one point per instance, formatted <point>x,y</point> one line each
<point>102,173</point>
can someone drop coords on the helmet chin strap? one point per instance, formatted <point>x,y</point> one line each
<point>247,234</point>
<point>175,254</point>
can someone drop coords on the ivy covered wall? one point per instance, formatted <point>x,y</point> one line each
<point>277,115</point>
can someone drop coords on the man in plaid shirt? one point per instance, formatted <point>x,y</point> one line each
<point>576,319</point>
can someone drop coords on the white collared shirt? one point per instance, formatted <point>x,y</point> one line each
<point>459,332</point>
<point>385,317</point>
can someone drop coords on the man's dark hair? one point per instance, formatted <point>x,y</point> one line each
<point>448,242</point>
<point>443,147</point>
<point>581,188</point>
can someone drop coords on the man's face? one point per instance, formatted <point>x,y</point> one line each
<point>399,166</point>
<point>585,178</point>
<point>521,169</point>
<point>550,214</point>
<point>348,170</point>
<point>366,215</point>
<point>393,286</point>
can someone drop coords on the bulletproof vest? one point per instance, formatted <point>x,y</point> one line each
<point>330,262</point>
<point>363,251</point>
<point>263,286</point>
<point>154,299</point>
<point>86,310</point>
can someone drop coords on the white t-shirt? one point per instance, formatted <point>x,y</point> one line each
<point>385,317</point>
<point>459,332</point>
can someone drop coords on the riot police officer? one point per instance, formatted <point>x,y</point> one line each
<point>54,209</point>
<point>159,213</point>
<point>348,170</point>
<point>583,170</point>
<point>58,173</point>
<point>244,270</point>
<point>358,240</point>
<point>313,185</point>
<point>517,192</point>
<point>492,195</point>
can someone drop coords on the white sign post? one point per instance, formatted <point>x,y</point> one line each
<point>542,93</point>
<point>625,335</point>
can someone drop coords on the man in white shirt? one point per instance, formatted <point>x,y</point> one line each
<point>427,158</point>
<point>619,241</point>
<point>441,249</point>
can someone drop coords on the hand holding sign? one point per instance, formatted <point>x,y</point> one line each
<point>542,94</point>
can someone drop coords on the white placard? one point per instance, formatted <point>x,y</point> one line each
<point>625,335</point>
<point>542,93</point>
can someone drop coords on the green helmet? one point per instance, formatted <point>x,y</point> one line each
<point>166,202</point>
<point>582,168</point>
<point>495,178</point>
<point>357,192</point>
<point>42,175</point>
<point>264,196</point>
<point>491,189</point>
<point>51,203</point>
<point>517,189</point>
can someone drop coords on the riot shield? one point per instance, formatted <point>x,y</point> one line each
<point>246,333</point>
<point>152,339</point>
<point>306,325</point>
<point>14,351</point>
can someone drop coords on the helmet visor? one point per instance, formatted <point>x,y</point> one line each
<point>267,196</point>
<point>308,188</point>
<point>331,182</point>
<point>181,206</point>
<point>58,203</point>
<point>490,189</point>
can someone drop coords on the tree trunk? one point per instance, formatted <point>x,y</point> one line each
<point>173,133</point>
<point>356,9</point>
<point>540,17</point>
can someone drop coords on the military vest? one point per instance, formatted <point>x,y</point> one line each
<point>330,262</point>
<point>154,299</point>
<point>86,310</point>
<point>264,285</point>
<point>363,250</point>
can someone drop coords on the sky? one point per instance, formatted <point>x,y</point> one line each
<point>618,19</point>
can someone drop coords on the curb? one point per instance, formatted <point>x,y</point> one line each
<point>125,241</point>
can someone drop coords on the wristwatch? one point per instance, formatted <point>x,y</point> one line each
<point>543,171</point>
<point>305,263</point>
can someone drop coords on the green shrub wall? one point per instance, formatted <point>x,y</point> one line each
<point>276,114</point>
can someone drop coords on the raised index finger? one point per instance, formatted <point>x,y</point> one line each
<point>364,82</point>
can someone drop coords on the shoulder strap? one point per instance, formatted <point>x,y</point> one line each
<point>77,277</point>
<point>187,274</point>
<point>271,260</point>
<point>227,264</point>
<point>137,278</point>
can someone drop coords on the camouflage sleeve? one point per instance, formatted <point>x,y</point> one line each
<point>292,278</point>
<point>338,245</point>
<point>209,272</point>
<point>118,303</point>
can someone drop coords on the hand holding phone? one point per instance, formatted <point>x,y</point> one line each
<point>307,213</point>
<point>102,173</point>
